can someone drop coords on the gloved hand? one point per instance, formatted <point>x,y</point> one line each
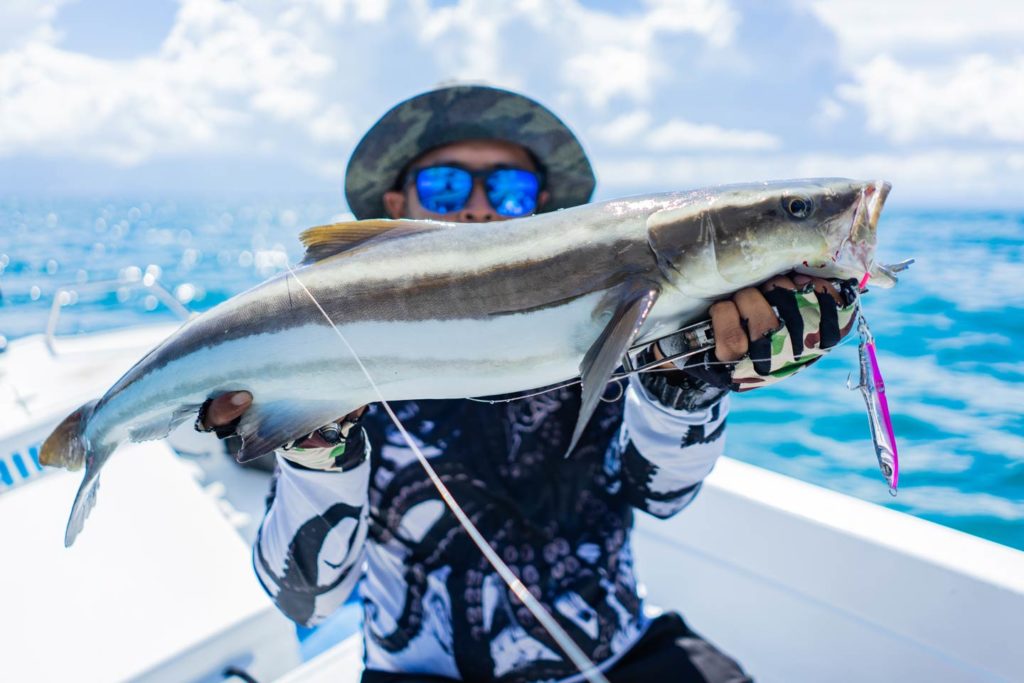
<point>754,347</point>
<point>339,446</point>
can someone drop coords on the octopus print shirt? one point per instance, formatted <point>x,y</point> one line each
<point>431,602</point>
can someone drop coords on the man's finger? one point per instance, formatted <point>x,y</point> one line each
<point>730,338</point>
<point>780,281</point>
<point>755,309</point>
<point>226,408</point>
<point>821,286</point>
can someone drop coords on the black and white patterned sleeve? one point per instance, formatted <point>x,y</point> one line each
<point>310,548</point>
<point>665,453</point>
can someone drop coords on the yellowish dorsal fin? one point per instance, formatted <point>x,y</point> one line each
<point>327,240</point>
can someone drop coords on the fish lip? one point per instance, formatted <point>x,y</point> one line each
<point>869,207</point>
<point>864,223</point>
<point>876,193</point>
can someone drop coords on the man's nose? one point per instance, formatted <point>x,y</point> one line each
<point>478,208</point>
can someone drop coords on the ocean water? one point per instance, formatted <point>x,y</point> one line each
<point>949,335</point>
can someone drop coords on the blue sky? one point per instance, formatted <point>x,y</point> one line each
<point>104,97</point>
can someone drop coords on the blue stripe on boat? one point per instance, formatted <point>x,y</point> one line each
<point>5,474</point>
<point>19,462</point>
<point>33,453</point>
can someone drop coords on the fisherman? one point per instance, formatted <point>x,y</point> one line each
<point>350,501</point>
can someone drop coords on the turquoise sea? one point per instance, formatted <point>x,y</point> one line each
<point>949,335</point>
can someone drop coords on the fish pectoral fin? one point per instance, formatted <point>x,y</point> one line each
<point>635,302</point>
<point>327,240</point>
<point>266,427</point>
<point>161,426</point>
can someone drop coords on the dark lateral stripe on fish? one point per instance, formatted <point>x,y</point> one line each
<point>512,288</point>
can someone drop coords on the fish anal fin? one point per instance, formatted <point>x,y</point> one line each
<point>327,240</point>
<point>266,427</point>
<point>635,302</point>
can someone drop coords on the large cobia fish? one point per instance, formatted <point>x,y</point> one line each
<point>445,310</point>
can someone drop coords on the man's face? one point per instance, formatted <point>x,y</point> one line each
<point>474,155</point>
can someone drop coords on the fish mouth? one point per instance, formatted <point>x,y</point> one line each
<point>858,251</point>
<point>869,208</point>
<point>875,195</point>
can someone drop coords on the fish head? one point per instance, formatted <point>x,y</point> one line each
<point>737,235</point>
<point>852,233</point>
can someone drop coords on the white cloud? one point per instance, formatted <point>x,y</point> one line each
<point>598,57</point>
<point>237,78</point>
<point>866,29</point>
<point>619,57</point>
<point>218,71</point>
<point>656,90</point>
<point>466,39</point>
<point>976,97</point>
<point>713,19</point>
<point>677,134</point>
<point>930,74</point>
<point>608,71</point>
<point>936,176</point>
<point>368,11</point>
<point>624,128</point>
<point>23,22</point>
<point>333,126</point>
<point>943,170</point>
<point>829,112</point>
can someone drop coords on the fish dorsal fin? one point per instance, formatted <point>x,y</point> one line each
<point>327,240</point>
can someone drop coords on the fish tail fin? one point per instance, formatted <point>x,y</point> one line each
<point>66,446</point>
<point>84,502</point>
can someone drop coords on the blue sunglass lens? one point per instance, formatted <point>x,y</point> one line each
<point>512,191</point>
<point>443,189</point>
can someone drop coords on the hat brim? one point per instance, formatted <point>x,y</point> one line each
<point>456,113</point>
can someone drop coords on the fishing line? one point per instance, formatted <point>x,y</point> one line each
<point>616,377</point>
<point>579,659</point>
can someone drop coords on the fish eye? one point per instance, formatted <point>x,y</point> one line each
<point>798,207</point>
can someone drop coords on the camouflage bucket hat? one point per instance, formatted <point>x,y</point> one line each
<point>465,112</point>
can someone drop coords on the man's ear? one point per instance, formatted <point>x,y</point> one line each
<point>394,203</point>
<point>542,199</point>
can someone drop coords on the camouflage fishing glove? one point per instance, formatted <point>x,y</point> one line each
<point>346,447</point>
<point>811,324</point>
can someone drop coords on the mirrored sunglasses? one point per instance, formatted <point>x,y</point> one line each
<point>512,192</point>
